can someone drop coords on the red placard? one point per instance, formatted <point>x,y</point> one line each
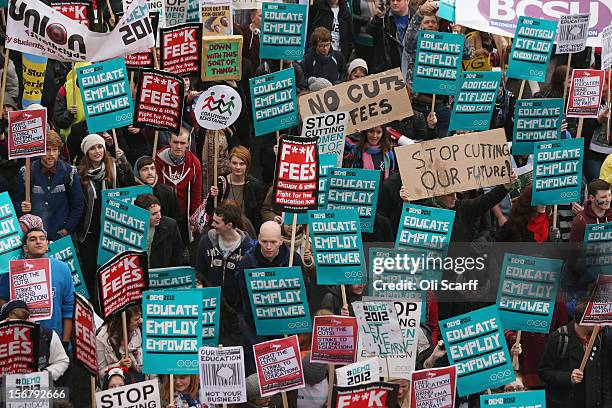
<point>160,100</point>
<point>279,365</point>
<point>296,185</point>
<point>433,388</point>
<point>334,340</point>
<point>30,281</point>
<point>18,347</point>
<point>180,49</point>
<point>142,59</point>
<point>121,282</point>
<point>599,308</point>
<point>585,93</point>
<point>372,395</point>
<point>27,133</point>
<point>85,334</point>
<point>80,11</point>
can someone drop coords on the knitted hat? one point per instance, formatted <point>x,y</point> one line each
<point>90,141</point>
<point>30,221</point>
<point>316,84</point>
<point>12,305</point>
<point>357,63</point>
<point>314,373</point>
<point>252,387</point>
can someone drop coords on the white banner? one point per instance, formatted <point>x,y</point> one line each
<point>48,33</point>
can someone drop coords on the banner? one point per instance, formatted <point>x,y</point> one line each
<point>19,351</point>
<point>124,227</point>
<point>527,292</point>
<point>434,388</point>
<point>437,167</point>
<point>362,372</point>
<point>33,73</point>
<point>27,133</point>
<point>283,31</point>
<point>175,12</point>
<point>121,282</point>
<point>557,174</point>
<point>376,394</point>
<point>599,308</point>
<point>370,101</point>
<point>573,33</point>
<point>334,340</point>
<point>10,233</point>
<point>80,11</point>
<point>222,374</point>
<point>354,188</point>
<point>379,328</point>
<point>337,247</point>
<point>273,98</point>
<point>425,228</point>
<point>178,277</point>
<point>126,194</point>
<point>63,250</point>
<point>596,249</point>
<point>221,58</point>
<point>296,185</point>
<point>514,399</point>
<point>218,107</point>
<point>30,281</point>
<point>330,128</point>
<point>438,62</point>
<point>279,365</point>
<point>180,48</point>
<point>144,393</point>
<point>159,103</point>
<point>536,120</point>
<point>531,49</point>
<point>475,343</point>
<point>211,315</point>
<point>278,301</point>
<point>475,100</point>
<point>585,93</point>
<point>68,41</point>
<point>171,324</point>
<point>217,18</point>
<point>144,59</point>
<point>23,389</point>
<point>85,335</point>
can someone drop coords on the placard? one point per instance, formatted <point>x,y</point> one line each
<point>599,308</point>
<point>531,49</point>
<point>159,103</point>
<point>211,315</point>
<point>330,128</point>
<point>19,353</point>
<point>447,10</point>
<point>217,18</point>
<point>10,233</point>
<point>27,133</point>
<point>334,340</point>
<point>30,281</point>
<point>178,277</point>
<point>33,73</point>
<point>279,365</point>
<point>126,194</point>
<point>283,31</point>
<point>218,107</point>
<point>536,120</point>
<point>63,250</point>
<point>273,98</point>
<point>84,323</point>
<point>145,393</point>
<point>180,48</point>
<point>585,93</point>
<point>425,228</point>
<point>77,10</point>
<point>573,33</point>
<point>221,58</point>
<point>379,326</point>
<point>596,249</point>
<point>377,394</point>
<point>434,388</point>
<point>23,389</point>
<point>175,12</point>
<point>438,62</point>
<point>222,374</point>
<point>361,372</point>
<point>533,399</point>
<point>606,49</point>
<point>475,100</point>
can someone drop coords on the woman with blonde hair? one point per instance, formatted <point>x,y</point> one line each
<point>186,392</point>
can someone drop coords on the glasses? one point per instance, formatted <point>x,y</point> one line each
<point>515,389</point>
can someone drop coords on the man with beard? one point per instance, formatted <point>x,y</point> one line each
<point>145,173</point>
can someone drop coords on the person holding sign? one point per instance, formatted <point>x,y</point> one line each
<point>596,210</point>
<point>372,151</point>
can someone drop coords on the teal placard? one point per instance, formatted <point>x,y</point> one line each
<point>536,120</point>
<point>63,250</point>
<point>179,277</point>
<point>283,31</point>
<point>10,233</point>
<point>337,246</point>
<point>354,188</point>
<point>527,292</point>
<point>596,250</point>
<point>557,172</point>
<point>211,315</point>
<point>532,399</point>
<point>278,301</point>
<point>475,100</point>
<point>438,62</point>
<point>127,194</point>
<point>105,90</point>
<point>171,331</point>
<point>475,343</point>
<point>447,10</point>
<point>274,101</point>
<point>531,48</point>
<point>425,228</point>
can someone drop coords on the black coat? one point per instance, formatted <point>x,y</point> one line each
<point>167,248</point>
<point>167,197</point>
<point>388,47</point>
<point>254,193</point>
<point>321,15</point>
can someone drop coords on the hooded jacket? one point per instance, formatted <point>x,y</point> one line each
<point>584,217</point>
<point>167,247</point>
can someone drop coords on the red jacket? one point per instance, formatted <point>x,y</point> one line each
<point>584,217</point>
<point>185,179</point>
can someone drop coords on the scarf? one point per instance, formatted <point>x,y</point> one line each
<point>368,163</point>
<point>539,227</point>
<point>97,175</point>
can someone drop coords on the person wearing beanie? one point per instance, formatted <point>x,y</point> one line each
<point>321,60</point>
<point>357,68</point>
<point>314,394</point>
<point>29,221</point>
<point>145,174</point>
<point>254,398</point>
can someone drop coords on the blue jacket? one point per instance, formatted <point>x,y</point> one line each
<point>59,203</point>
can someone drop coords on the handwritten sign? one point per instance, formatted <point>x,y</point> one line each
<point>180,49</point>
<point>217,18</point>
<point>30,281</point>
<point>334,340</point>
<point>531,48</point>
<point>279,365</point>
<point>438,62</point>
<point>273,98</point>
<point>585,93</point>
<point>221,58</point>
<point>379,326</point>
<point>283,31</point>
<point>27,133</point>
<point>159,103</point>
<point>475,100</point>
<point>536,120</point>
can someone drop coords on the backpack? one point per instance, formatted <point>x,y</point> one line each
<point>563,341</point>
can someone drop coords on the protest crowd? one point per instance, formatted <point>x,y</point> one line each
<point>205,203</point>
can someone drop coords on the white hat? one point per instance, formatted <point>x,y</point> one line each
<point>357,63</point>
<point>90,141</point>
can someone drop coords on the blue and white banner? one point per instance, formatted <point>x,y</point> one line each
<point>438,62</point>
<point>536,120</point>
<point>475,100</point>
<point>531,49</point>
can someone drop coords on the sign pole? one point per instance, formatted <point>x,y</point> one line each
<point>293,228</point>
<point>216,161</point>
<point>579,131</point>
<point>331,371</point>
<point>515,362</point>
<point>115,141</point>
<point>6,61</point>
<point>155,61</point>
<point>587,352</point>
<point>110,9</point>
<point>433,103</point>
<point>567,71</point>
<point>27,179</point>
<point>172,388</point>
<point>155,146</point>
<point>74,84</point>
<point>93,391</point>
<point>125,333</point>
<point>343,290</point>
<point>520,95</point>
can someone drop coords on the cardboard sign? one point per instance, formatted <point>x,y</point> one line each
<point>159,103</point>
<point>447,10</point>
<point>211,315</point>
<point>124,227</point>
<point>179,277</point>
<point>144,393</point>
<point>536,120</point>
<point>77,10</point>
<point>557,174</point>
<point>175,12</point>
<point>171,326</point>
<point>475,100</point>
<point>27,133</point>
<point>19,351</point>
<point>34,68</point>
<point>585,93</point>
<point>217,18</point>
<point>527,292</point>
<point>596,249</point>
<point>514,399</point>
<point>273,99</point>
<point>370,101</point>
<point>438,62</point>
<point>279,365</point>
<point>599,308</point>
<point>296,185</point>
<point>438,167</point>
<point>354,188</point>
<point>379,326</point>
<point>30,281</point>
<point>425,228</point>
<point>63,250</point>
<point>531,49</point>
<point>278,301</point>
<point>334,340</point>
<point>283,31</point>
<point>127,194</point>
<point>10,233</point>
<point>222,374</point>
<point>23,389</point>
<point>180,49</point>
<point>121,282</point>
<point>475,343</point>
<point>606,49</point>
<point>362,372</point>
<point>377,394</point>
<point>330,128</point>
<point>337,247</point>
<point>218,107</point>
<point>222,58</point>
<point>85,334</point>
<point>433,388</point>
<point>573,33</point>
